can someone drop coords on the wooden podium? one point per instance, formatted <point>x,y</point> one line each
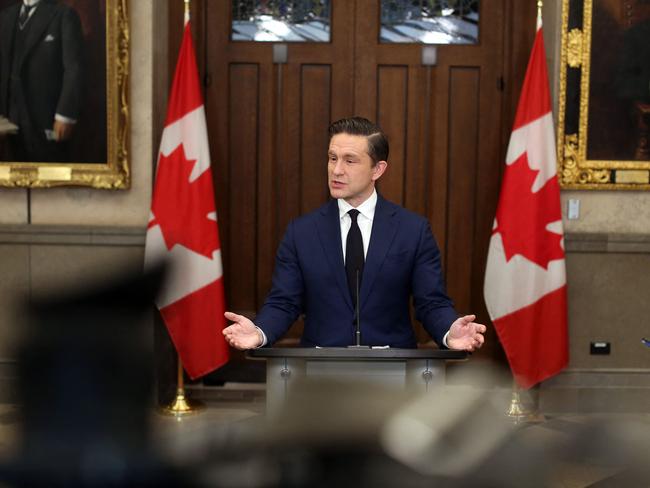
<point>416,369</point>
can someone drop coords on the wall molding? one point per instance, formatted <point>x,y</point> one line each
<point>135,236</point>
<point>600,377</point>
<point>610,242</point>
<point>72,235</point>
<point>596,390</point>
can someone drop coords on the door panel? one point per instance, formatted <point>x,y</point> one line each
<point>241,167</point>
<point>315,109</point>
<point>461,184</point>
<point>392,105</point>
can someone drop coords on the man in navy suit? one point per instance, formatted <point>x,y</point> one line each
<point>41,45</point>
<point>398,259</point>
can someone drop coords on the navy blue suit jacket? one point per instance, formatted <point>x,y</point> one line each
<point>403,260</point>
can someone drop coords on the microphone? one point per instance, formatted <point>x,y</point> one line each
<point>357,311</point>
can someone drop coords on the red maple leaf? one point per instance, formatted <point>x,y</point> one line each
<point>181,208</point>
<point>522,215</point>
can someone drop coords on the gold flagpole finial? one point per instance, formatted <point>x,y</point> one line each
<point>539,13</point>
<point>187,10</point>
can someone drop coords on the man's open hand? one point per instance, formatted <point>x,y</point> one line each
<point>242,334</point>
<point>465,334</point>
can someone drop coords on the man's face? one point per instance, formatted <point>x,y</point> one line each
<point>351,175</point>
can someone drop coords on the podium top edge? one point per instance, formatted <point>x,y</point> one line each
<point>355,354</point>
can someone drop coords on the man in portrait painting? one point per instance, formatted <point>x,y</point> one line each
<point>633,82</point>
<point>41,45</point>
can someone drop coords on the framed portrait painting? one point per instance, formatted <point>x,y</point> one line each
<point>64,117</point>
<point>604,103</point>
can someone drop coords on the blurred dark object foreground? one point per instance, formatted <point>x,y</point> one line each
<point>85,388</point>
<point>347,433</point>
<point>85,384</point>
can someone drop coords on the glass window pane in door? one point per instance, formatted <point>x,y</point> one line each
<point>429,21</point>
<point>281,20</point>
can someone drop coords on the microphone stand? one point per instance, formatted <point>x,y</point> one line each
<point>357,329</point>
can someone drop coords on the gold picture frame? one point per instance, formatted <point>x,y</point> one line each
<point>113,171</point>
<point>602,123</point>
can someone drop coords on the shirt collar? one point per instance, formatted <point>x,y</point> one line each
<point>367,208</point>
<point>31,3</point>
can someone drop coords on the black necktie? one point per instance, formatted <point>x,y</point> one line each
<point>23,17</point>
<point>354,255</point>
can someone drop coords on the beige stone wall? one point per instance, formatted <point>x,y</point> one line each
<point>39,261</point>
<point>44,261</point>
<point>14,206</point>
<point>609,211</point>
<point>608,283</point>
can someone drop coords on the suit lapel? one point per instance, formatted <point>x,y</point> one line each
<point>41,18</point>
<point>329,231</point>
<point>384,228</point>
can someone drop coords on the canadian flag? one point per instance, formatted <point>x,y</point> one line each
<point>525,279</point>
<point>183,226</point>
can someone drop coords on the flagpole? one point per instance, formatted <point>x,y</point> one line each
<point>182,406</point>
<point>517,411</point>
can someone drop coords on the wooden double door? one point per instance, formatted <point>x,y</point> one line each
<point>447,125</point>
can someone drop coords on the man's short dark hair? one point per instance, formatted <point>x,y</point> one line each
<point>358,126</point>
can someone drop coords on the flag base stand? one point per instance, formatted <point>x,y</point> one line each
<point>518,413</point>
<point>181,406</point>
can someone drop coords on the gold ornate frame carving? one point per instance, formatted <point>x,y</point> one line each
<point>579,165</point>
<point>114,172</point>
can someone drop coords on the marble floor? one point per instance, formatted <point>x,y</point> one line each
<point>231,442</point>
